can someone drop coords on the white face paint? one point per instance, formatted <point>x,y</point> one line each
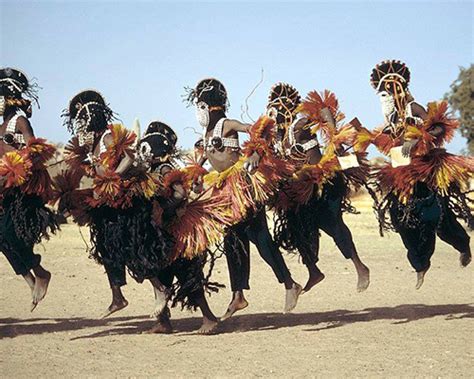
<point>388,104</point>
<point>2,105</point>
<point>202,114</point>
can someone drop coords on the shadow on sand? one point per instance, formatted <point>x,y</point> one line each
<point>317,321</point>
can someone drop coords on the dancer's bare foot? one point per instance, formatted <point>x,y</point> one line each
<point>117,305</point>
<point>314,278</point>
<point>40,289</point>
<point>292,295</point>
<point>237,304</point>
<point>465,259</point>
<point>208,326</point>
<point>363,278</point>
<point>30,280</point>
<point>363,273</point>
<point>420,276</point>
<point>163,325</point>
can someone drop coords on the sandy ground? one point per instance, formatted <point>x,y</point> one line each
<point>390,330</point>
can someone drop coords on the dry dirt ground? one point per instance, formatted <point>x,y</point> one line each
<point>389,330</point>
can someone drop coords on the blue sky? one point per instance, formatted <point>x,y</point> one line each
<point>140,55</point>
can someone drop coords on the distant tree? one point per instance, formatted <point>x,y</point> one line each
<point>461,100</point>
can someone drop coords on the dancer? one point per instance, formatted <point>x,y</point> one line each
<point>25,185</point>
<point>317,195</point>
<point>246,193</point>
<point>193,225</point>
<point>118,207</point>
<point>424,188</point>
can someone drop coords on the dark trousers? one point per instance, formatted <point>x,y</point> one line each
<point>330,221</point>
<point>18,253</point>
<point>324,214</point>
<point>434,218</point>
<point>237,249</point>
<point>301,233</point>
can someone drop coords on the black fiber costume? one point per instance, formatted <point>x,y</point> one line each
<point>127,238</point>
<point>157,150</point>
<point>426,215</point>
<point>191,283</point>
<point>426,195</point>
<point>297,228</point>
<point>24,221</point>
<point>122,233</point>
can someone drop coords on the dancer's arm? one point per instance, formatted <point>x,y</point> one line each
<point>327,117</point>
<point>124,165</point>
<point>235,126</point>
<point>24,127</point>
<point>418,112</point>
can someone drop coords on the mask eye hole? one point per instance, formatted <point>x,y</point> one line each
<point>145,149</point>
<point>272,113</point>
<point>202,105</point>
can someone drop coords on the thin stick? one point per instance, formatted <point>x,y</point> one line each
<point>194,130</point>
<point>56,163</point>
<point>245,109</point>
<point>84,240</point>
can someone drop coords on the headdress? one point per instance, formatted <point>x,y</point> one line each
<point>16,88</point>
<point>282,102</point>
<point>392,77</point>
<point>87,112</point>
<point>210,91</point>
<point>388,72</point>
<point>158,142</point>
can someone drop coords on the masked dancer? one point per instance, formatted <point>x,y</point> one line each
<point>316,196</point>
<point>25,185</point>
<point>117,207</point>
<point>194,224</point>
<point>246,193</point>
<point>424,188</point>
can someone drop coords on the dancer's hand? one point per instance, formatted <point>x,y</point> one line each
<point>198,185</point>
<point>252,162</point>
<point>180,211</point>
<point>179,193</point>
<point>408,146</point>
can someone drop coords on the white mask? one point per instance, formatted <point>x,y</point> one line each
<point>2,105</point>
<point>85,138</point>
<point>145,155</point>
<point>388,104</point>
<point>202,114</point>
<point>272,113</point>
<point>79,125</point>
